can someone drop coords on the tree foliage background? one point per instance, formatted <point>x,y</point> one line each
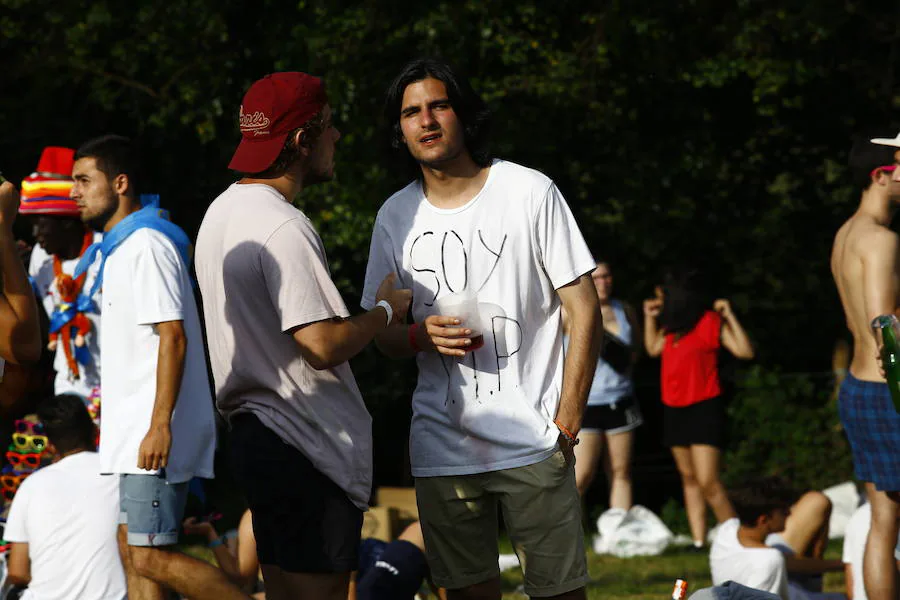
<point>693,131</point>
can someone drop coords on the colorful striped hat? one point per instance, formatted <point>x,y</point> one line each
<point>46,191</point>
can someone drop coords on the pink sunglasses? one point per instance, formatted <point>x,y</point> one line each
<point>889,169</point>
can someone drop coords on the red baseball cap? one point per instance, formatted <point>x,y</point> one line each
<point>272,108</point>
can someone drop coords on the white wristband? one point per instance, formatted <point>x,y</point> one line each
<point>387,308</point>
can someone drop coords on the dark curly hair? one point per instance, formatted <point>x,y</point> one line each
<point>67,423</point>
<point>115,155</point>
<point>469,107</point>
<point>761,496</point>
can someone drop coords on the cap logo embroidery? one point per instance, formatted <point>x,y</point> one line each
<point>256,122</point>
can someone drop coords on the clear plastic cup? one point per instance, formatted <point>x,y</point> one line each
<point>464,306</point>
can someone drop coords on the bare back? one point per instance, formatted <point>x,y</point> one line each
<point>864,264</point>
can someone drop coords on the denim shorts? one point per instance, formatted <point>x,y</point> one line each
<point>151,508</point>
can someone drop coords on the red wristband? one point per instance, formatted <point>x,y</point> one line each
<point>411,334</point>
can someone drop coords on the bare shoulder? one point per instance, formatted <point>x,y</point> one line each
<point>875,239</point>
<point>861,236</point>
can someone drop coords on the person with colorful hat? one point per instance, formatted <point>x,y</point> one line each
<point>279,339</point>
<point>60,241</point>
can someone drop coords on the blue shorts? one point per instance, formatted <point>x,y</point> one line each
<point>151,508</point>
<point>873,429</point>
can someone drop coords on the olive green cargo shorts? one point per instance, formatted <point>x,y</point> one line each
<point>542,513</point>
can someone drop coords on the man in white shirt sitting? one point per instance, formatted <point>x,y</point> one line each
<point>740,553</point>
<point>63,520</point>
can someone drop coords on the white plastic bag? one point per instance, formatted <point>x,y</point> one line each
<point>636,532</point>
<point>845,499</point>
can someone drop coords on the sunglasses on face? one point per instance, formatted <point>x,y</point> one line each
<point>23,426</point>
<point>29,443</point>
<point>886,169</point>
<point>31,460</point>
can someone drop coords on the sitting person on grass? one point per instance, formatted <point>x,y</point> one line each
<point>387,571</point>
<point>788,565</point>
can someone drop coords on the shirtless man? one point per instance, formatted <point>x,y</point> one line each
<point>866,269</point>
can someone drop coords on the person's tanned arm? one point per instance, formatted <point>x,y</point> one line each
<point>437,333</point>
<point>800,565</point>
<point>734,338</point>
<point>19,564</point>
<point>20,335</point>
<point>654,337</point>
<point>579,300</point>
<point>154,450</point>
<point>326,344</point>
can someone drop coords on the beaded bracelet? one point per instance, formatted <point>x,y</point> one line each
<point>566,433</point>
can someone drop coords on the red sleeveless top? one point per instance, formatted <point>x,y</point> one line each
<point>690,365</point>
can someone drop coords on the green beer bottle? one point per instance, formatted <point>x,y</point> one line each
<point>888,325</point>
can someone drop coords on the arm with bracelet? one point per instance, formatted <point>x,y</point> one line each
<point>436,333</point>
<point>579,300</point>
<point>308,304</point>
<point>326,344</point>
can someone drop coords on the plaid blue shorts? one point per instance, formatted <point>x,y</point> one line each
<point>873,429</point>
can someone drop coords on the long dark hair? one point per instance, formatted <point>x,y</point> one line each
<point>468,106</point>
<point>686,298</point>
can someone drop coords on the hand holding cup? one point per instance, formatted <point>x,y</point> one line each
<point>457,328</point>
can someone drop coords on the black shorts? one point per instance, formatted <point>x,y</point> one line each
<point>396,575</point>
<point>622,415</point>
<point>303,522</point>
<point>705,422</point>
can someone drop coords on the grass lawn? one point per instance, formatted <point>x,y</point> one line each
<point>640,578</point>
<point>652,577</point>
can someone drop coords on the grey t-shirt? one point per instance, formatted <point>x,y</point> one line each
<point>262,272</point>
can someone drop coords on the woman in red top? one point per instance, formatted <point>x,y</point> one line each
<point>679,326</point>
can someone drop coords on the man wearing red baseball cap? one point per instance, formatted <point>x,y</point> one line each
<point>280,337</point>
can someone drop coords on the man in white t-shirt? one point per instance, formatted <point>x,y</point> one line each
<point>60,240</point>
<point>158,429</point>
<point>280,337</point>
<point>62,523</point>
<point>855,536</point>
<point>495,414</point>
<point>746,549</point>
